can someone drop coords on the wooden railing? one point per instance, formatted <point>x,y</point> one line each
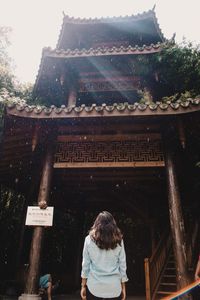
<point>184,291</point>
<point>155,264</point>
<point>191,243</point>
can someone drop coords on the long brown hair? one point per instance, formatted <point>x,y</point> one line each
<point>105,232</point>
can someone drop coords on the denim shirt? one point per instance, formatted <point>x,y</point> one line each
<point>104,269</point>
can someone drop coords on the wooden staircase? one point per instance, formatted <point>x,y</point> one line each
<point>154,266</point>
<point>160,271</point>
<point>167,284</point>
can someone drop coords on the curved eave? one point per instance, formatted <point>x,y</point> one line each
<point>96,52</point>
<point>140,16</point>
<point>67,20</point>
<point>106,51</point>
<point>116,110</point>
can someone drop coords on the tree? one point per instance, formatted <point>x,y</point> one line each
<point>6,74</point>
<point>9,85</point>
<point>10,88</point>
<point>176,69</point>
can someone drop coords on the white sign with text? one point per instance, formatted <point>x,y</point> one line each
<point>39,217</point>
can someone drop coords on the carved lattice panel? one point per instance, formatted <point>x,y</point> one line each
<point>109,84</point>
<point>109,154</point>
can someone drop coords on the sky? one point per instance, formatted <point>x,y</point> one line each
<point>36,23</point>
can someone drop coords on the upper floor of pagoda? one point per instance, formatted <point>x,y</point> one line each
<point>101,59</point>
<point>141,29</point>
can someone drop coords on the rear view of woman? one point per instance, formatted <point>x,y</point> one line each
<point>104,261</point>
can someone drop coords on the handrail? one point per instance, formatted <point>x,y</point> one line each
<point>191,241</point>
<point>155,264</point>
<point>162,240</point>
<point>183,291</point>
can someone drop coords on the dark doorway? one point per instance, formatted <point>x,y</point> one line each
<point>76,206</point>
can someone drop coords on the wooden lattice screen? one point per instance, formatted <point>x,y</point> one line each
<point>84,153</point>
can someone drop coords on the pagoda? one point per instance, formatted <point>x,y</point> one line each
<point>104,142</point>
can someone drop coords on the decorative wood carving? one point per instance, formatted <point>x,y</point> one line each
<point>114,153</point>
<point>109,84</point>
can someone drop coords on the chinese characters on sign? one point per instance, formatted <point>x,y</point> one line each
<point>39,217</point>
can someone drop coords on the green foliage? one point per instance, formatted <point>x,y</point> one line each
<point>24,91</point>
<point>9,87</point>
<point>1,119</point>
<point>8,82</point>
<point>176,69</point>
<point>11,207</point>
<point>172,72</point>
<point>6,75</point>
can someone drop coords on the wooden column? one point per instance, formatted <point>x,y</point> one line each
<point>175,212</point>
<point>80,242</point>
<point>72,96</point>
<point>36,245</point>
<point>29,198</point>
<point>153,236</point>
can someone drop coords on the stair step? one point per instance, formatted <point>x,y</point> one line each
<point>169,275</point>
<point>165,292</point>
<point>170,264</point>
<point>168,283</point>
<point>169,278</point>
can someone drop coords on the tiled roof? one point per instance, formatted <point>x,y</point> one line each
<point>140,16</point>
<point>103,51</point>
<point>115,110</point>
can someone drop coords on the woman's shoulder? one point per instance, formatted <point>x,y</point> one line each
<point>88,239</point>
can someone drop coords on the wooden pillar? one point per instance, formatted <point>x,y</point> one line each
<point>175,213</point>
<point>153,236</point>
<point>80,242</point>
<point>29,198</point>
<point>147,279</point>
<point>36,245</point>
<point>72,96</point>
<point>33,189</point>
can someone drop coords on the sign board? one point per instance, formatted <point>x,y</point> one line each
<point>39,217</point>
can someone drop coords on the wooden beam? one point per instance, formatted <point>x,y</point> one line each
<point>124,127</point>
<point>17,138</point>
<point>139,164</point>
<point>109,137</point>
<point>15,151</point>
<point>12,147</point>
<point>13,158</point>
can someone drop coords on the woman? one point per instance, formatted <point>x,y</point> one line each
<point>104,261</point>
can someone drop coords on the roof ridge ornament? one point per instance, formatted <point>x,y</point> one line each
<point>172,40</point>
